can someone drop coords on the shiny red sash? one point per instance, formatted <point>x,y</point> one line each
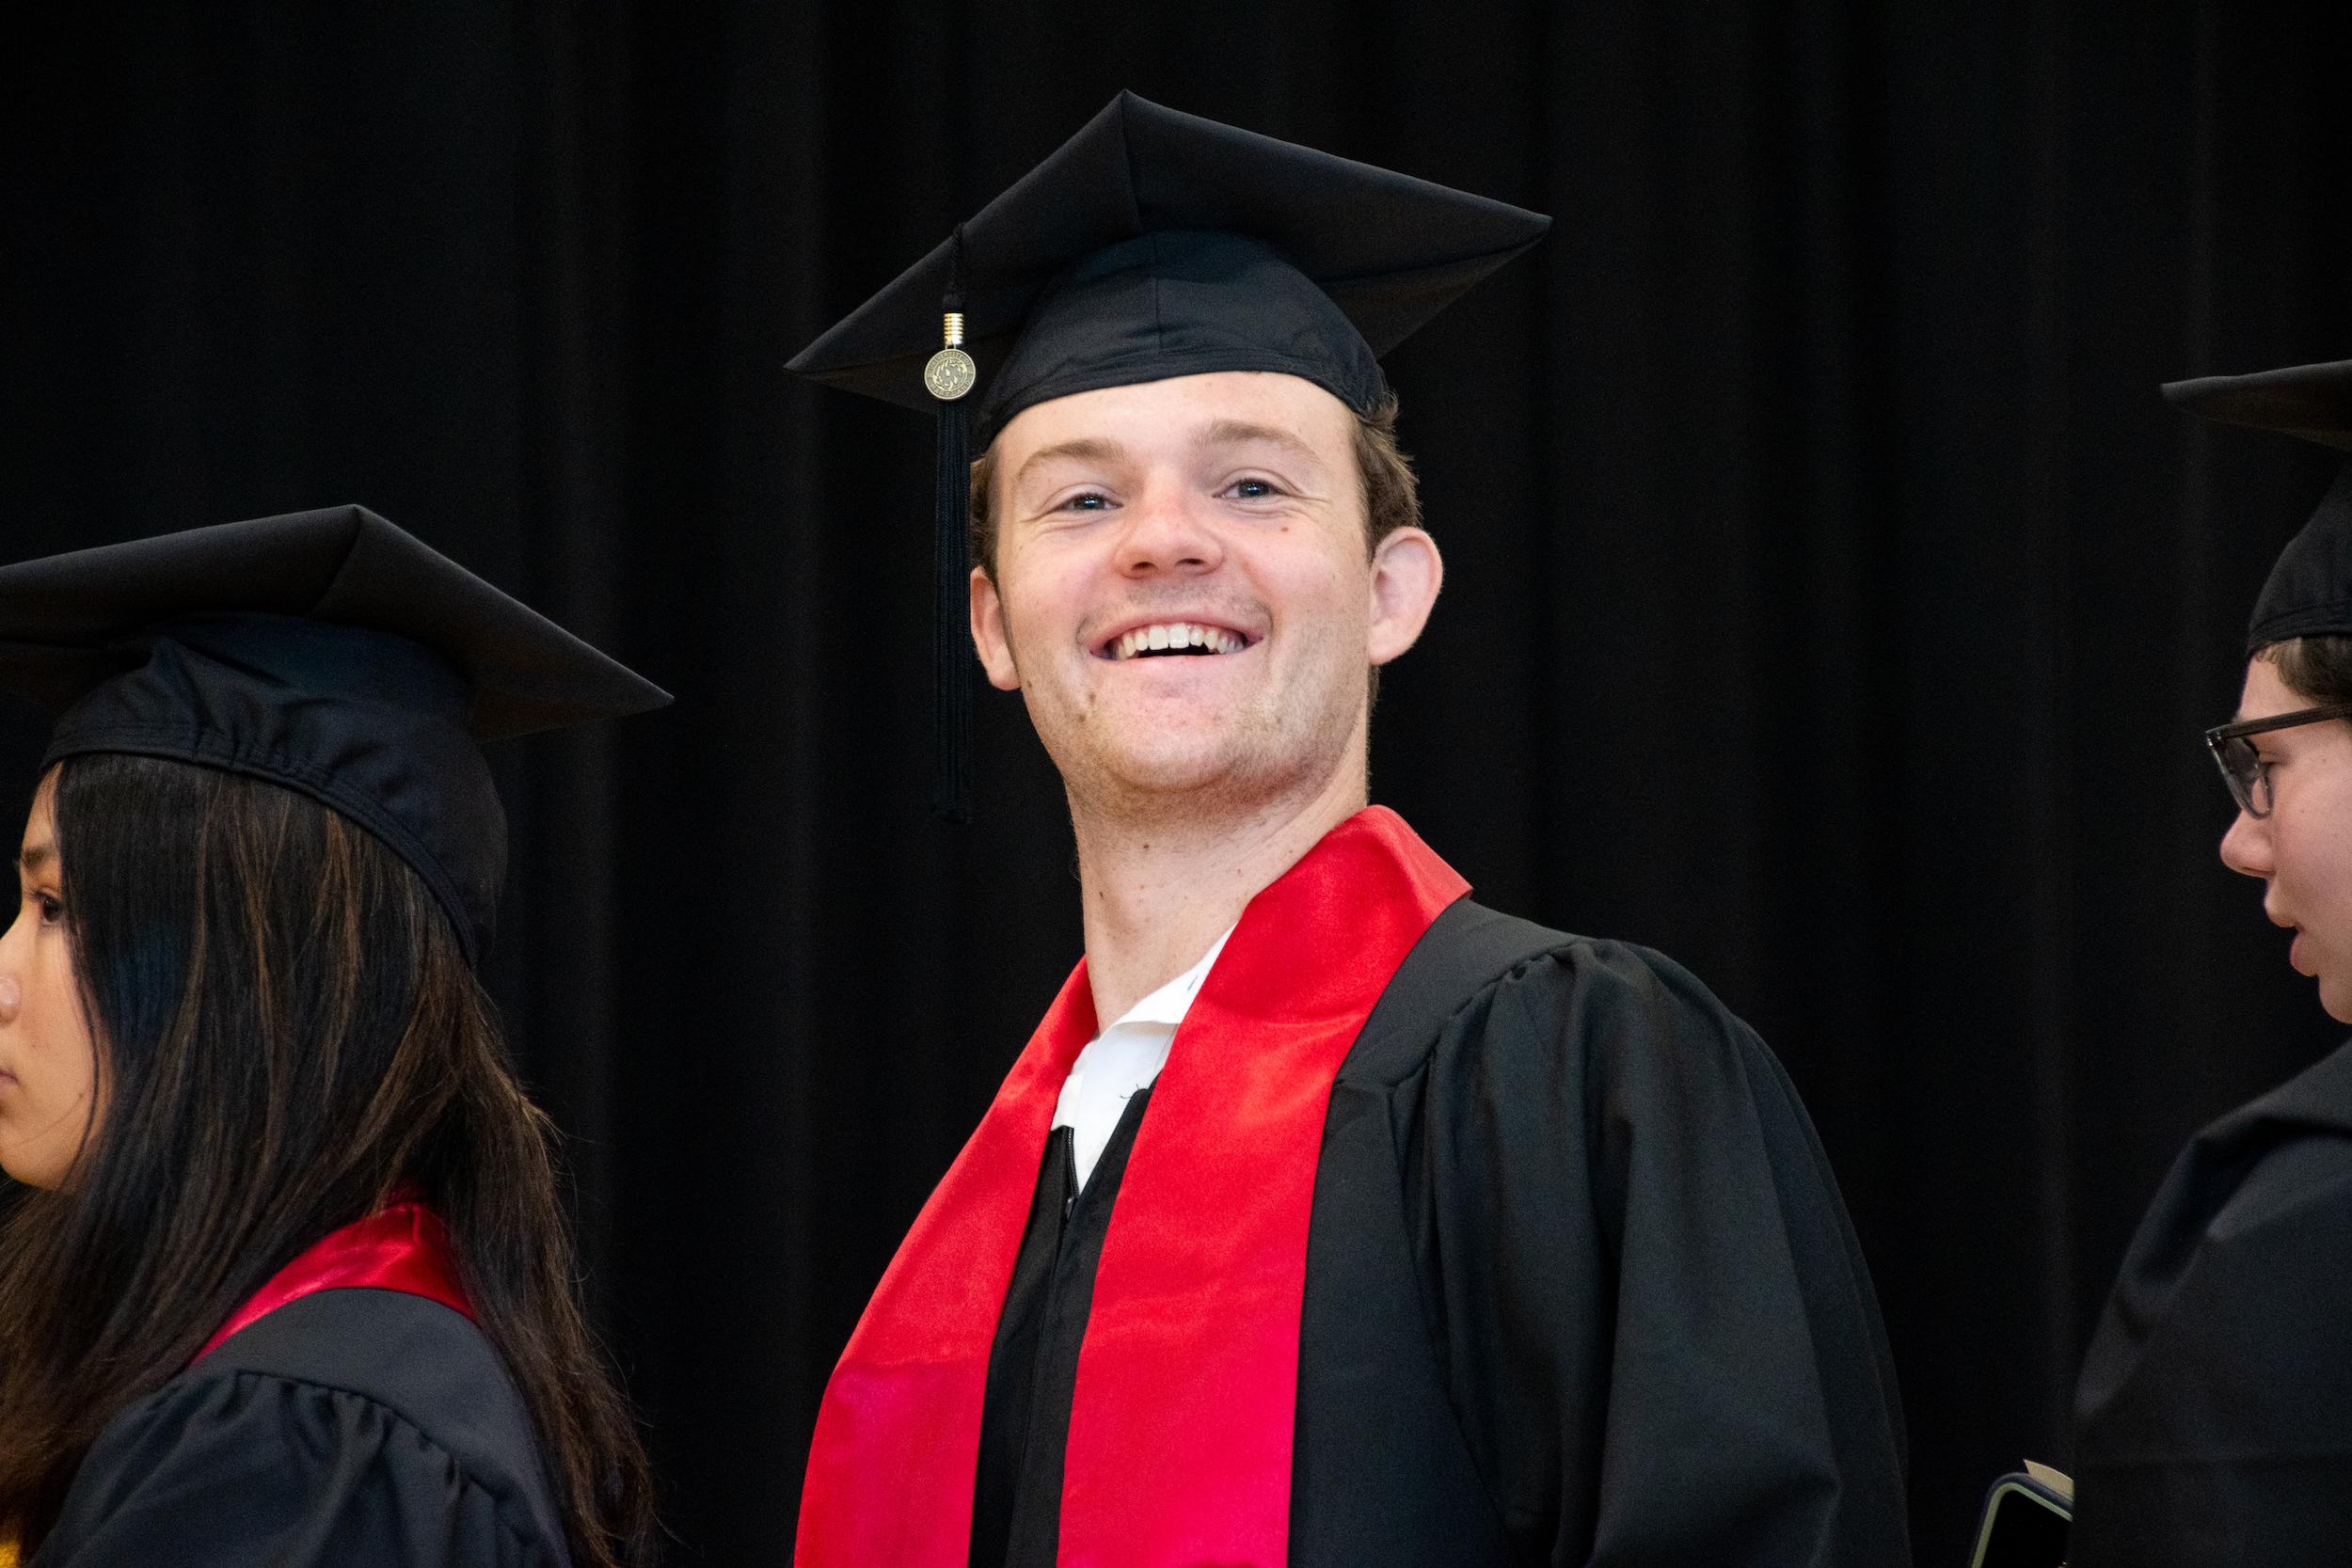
<point>404,1248</point>
<point>1181,1425</point>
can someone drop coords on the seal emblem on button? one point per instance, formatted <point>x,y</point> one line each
<point>949,374</point>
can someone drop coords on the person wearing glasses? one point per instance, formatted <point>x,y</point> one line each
<point>2214,1416</point>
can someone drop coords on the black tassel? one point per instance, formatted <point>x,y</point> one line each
<point>949,375</point>
<point>951,639</point>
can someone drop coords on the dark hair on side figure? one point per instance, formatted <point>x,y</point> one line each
<point>2318,669</point>
<point>286,1031</point>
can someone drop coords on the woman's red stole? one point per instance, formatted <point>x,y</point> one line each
<point>402,1247</point>
<point>1179,1428</point>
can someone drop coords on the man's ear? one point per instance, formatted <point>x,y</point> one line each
<point>1406,574</point>
<point>987,633</point>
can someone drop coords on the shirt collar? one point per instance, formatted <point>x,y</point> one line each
<point>1167,1007</point>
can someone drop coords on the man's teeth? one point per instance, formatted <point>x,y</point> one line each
<point>1175,636</point>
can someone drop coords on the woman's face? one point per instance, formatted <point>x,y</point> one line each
<point>48,1056</point>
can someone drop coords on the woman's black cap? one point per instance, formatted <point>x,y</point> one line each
<point>327,652</point>
<point>2310,591</point>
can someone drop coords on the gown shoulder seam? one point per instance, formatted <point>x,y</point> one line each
<point>1477,992</point>
<point>466,1474</point>
<point>1482,949</point>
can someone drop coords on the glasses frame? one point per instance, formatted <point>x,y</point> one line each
<point>2243,785</point>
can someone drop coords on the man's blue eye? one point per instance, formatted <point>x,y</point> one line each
<point>1093,500</point>
<point>1253,489</point>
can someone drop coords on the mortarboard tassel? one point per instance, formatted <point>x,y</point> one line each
<point>948,375</point>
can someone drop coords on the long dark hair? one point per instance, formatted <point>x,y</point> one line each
<point>287,1032</point>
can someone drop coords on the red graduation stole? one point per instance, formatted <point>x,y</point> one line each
<point>1181,1425</point>
<point>404,1248</point>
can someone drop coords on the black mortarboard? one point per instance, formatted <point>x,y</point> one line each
<point>1152,245</point>
<point>329,652</point>
<point>2310,591</point>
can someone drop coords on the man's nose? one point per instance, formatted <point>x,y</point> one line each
<point>1165,533</point>
<point>2245,848</point>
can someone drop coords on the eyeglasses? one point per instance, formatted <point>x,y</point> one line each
<point>2242,769</point>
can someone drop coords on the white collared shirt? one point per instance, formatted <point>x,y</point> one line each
<point>1122,1059</point>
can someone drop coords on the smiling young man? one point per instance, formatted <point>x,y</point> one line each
<point>1327,1218</point>
<point>1176,575</point>
<point>2214,1416</point>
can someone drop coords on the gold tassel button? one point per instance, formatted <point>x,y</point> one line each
<point>951,374</point>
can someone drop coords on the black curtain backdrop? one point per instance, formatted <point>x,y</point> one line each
<point>1834,604</point>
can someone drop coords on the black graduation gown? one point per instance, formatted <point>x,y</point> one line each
<point>2214,1417</point>
<point>1579,1289</point>
<point>348,1429</point>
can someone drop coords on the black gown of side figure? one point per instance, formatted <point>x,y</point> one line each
<point>2214,1418</point>
<point>1580,1291</point>
<point>348,1429</point>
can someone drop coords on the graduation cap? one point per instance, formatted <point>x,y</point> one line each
<point>1151,245</point>
<point>327,652</point>
<point>2310,590</point>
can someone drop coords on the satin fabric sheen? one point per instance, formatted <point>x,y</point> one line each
<point>403,1247</point>
<point>1181,1426</point>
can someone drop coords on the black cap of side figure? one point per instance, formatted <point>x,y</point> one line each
<point>2310,590</point>
<point>327,652</point>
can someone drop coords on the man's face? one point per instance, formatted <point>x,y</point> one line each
<point>48,1060</point>
<point>1183,594</point>
<point>2303,849</point>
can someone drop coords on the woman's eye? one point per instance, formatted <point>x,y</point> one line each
<point>52,912</point>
